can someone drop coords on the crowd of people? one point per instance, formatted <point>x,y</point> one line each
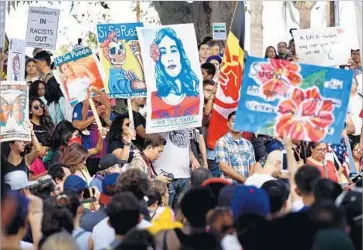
<point>76,186</point>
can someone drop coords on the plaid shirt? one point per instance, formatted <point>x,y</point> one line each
<point>239,154</point>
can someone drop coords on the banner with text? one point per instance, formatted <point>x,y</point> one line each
<point>79,75</point>
<point>173,77</point>
<point>42,28</point>
<point>307,102</point>
<point>16,60</point>
<point>121,59</point>
<point>14,111</point>
<point>325,46</point>
<point>219,31</point>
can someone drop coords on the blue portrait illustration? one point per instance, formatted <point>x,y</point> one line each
<point>176,82</point>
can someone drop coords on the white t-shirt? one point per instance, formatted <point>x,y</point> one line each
<point>258,180</point>
<point>175,159</point>
<point>103,234</point>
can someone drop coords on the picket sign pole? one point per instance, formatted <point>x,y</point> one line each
<point>131,116</point>
<point>95,114</point>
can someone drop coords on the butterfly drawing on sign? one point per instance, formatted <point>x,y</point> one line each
<point>16,109</point>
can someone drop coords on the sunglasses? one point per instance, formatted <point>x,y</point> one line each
<point>38,107</point>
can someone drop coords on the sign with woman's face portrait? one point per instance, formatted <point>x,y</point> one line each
<point>173,77</point>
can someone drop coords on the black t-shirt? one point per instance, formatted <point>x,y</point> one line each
<point>7,167</point>
<point>139,120</point>
<point>52,90</point>
<point>120,144</point>
<point>42,134</point>
<point>194,141</point>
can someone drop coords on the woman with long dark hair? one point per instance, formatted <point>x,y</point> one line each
<point>37,89</point>
<point>271,52</point>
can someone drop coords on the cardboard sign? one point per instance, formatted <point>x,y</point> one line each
<point>42,28</point>
<point>307,102</point>
<point>324,46</point>
<point>2,23</point>
<point>219,31</point>
<point>16,60</point>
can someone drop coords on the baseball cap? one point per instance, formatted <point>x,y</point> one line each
<point>244,200</point>
<point>110,160</point>
<point>75,184</point>
<point>18,179</point>
<point>351,202</point>
<point>108,180</point>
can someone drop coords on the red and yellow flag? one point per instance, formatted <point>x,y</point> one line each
<point>230,79</point>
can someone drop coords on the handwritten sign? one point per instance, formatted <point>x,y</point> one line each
<point>42,28</point>
<point>219,31</point>
<point>324,46</point>
<point>16,60</point>
<point>2,24</point>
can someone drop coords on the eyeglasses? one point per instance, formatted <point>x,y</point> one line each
<point>38,107</point>
<point>320,150</point>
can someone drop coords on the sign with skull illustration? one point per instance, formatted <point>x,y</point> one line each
<point>121,59</point>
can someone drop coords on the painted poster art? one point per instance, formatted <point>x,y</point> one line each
<point>173,77</point>
<point>14,112</point>
<point>121,59</point>
<point>16,60</point>
<point>79,75</point>
<point>304,101</point>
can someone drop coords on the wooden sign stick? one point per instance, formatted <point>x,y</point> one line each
<point>131,116</point>
<point>95,114</point>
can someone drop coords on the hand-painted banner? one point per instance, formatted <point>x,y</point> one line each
<point>323,46</point>
<point>14,111</point>
<point>173,77</point>
<point>79,75</point>
<point>121,59</point>
<point>16,60</point>
<point>304,101</point>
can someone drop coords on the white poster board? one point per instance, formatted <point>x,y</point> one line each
<point>2,24</point>
<point>219,31</point>
<point>42,28</point>
<point>323,46</point>
<point>16,60</point>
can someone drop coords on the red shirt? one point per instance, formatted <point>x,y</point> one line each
<point>327,171</point>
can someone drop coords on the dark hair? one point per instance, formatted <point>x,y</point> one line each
<point>115,133</point>
<point>123,212</point>
<point>44,190</point>
<point>312,145</point>
<point>325,215</point>
<point>249,228</point>
<point>34,87</point>
<point>233,113</point>
<point>62,133</point>
<point>153,196</point>
<point>326,189</point>
<point>210,68</point>
<point>306,178</point>
<point>138,240</point>
<point>72,202</point>
<point>134,181</point>
<point>282,43</point>
<point>154,140</point>
<point>202,43</point>
<point>43,56</point>
<point>195,205</point>
<point>29,60</point>
<point>278,194</point>
<point>208,82</point>
<point>56,171</point>
<point>199,175</point>
<point>267,49</point>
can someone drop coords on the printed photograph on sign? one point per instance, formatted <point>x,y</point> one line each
<point>173,77</point>
<point>14,111</point>
<point>307,102</point>
<point>121,59</point>
<point>42,28</point>
<point>79,75</point>
<point>16,60</point>
<point>322,46</point>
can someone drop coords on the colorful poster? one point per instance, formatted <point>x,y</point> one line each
<point>42,28</point>
<point>16,60</point>
<point>173,77</point>
<point>79,75</point>
<point>322,46</point>
<point>2,23</point>
<point>219,31</point>
<point>121,59</point>
<point>14,111</point>
<point>304,101</point>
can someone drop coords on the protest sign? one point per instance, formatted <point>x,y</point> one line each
<point>2,24</point>
<point>14,111</point>
<point>42,28</point>
<point>79,75</point>
<point>219,31</point>
<point>16,60</point>
<point>307,102</point>
<point>173,77</point>
<point>325,46</point>
<point>121,59</point>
